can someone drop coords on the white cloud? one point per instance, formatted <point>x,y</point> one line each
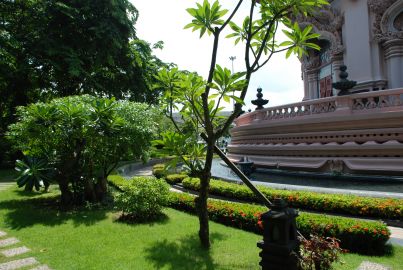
<point>164,20</point>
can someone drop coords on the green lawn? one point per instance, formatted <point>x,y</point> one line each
<point>92,239</point>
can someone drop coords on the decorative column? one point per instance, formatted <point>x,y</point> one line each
<point>337,62</point>
<point>394,62</point>
<point>312,76</point>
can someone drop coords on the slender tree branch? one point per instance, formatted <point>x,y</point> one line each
<point>231,16</point>
<point>268,31</point>
<point>249,36</point>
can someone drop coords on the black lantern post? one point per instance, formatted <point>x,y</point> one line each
<point>280,243</point>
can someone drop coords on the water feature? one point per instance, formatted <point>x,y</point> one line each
<point>344,184</point>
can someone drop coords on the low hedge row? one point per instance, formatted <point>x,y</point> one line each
<point>334,203</point>
<point>355,235</point>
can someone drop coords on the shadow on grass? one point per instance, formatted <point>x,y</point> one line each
<point>183,254</point>
<point>160,218</point>
<point>45,211</point>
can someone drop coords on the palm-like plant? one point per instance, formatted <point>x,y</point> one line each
<point>34,172</point>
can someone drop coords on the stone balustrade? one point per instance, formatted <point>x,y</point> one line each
<point>361,101</point>
<point>360,133</point>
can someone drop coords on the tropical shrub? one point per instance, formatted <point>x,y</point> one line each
<point>33,172</point>
<point>84,138</point>
<point>143,198</point>
<point>336,203</point>
<point>355,235</point>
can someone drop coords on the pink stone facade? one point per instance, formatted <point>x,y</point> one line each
<point>360,133</point>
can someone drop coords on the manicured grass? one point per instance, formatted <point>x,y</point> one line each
<point>91,239</point>
<point>393,260</point>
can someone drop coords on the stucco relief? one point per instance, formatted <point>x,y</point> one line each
<point>328,23</point>
<point>387,20</point>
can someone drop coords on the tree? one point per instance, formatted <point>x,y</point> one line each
<point>59,48</point>
<point>200,101</point>
<point>83,138</point>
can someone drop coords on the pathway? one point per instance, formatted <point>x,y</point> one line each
<point>6,185</point>
<point>13,255</point>
<point>10,248</point>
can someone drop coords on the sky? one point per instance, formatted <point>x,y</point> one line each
<point>164,20</point>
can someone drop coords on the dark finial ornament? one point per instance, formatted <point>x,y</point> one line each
<point>259,102</point>
<point>343,85</point>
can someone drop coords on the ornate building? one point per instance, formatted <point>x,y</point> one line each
<point>364,35</point>
<point>357,133</point>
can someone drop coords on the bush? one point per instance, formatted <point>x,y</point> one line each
<point>84,138</point>
<point>334,203</point>
<point>355,235</point>
<point>175,178</point>
<point>159,170</point>
<point>143,198</point>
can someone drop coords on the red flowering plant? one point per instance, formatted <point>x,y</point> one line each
<point>319,253</point>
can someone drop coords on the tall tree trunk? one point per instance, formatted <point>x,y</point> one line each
<point>201,201</point>
<point>67,195</point>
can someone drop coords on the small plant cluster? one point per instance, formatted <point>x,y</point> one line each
<point>319,253</point>
<point>355,235</point>
<point>334,203</point>
<point>142,199</point>
<point>159,171</point>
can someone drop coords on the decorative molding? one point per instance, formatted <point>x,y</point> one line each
<point>386,12</point>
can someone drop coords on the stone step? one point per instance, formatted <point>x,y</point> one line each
<point>2,234</point>
<point>18,263</point>
<point>8,242</point>
<point>366,265</point>
<point>15,251</point>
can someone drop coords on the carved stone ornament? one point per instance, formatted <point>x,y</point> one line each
<point>327,22</point>
<point>387,15</point>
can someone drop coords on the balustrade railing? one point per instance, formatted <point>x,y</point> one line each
<point>356,102</point>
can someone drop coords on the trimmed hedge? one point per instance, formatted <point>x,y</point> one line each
<point>355,235</point>
<point>159,170</point>
<point>334,203</point>
<point>175,178</point>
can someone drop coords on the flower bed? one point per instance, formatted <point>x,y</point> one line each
<point>334,203</point>
<point>355,235</point>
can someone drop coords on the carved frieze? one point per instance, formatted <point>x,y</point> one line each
<point>386,26</point>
